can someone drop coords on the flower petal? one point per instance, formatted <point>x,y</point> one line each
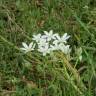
<point>58,37</point>
<point>46,33</point>
<point>51,32</point>
<point>25,45</point>
<point>65,36</point>
<point>30,45</point>
<point>23,49</point>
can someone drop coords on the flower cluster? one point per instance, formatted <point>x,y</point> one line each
<point>48,43</point>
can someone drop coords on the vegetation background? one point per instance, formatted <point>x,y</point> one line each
<point>34,75</point>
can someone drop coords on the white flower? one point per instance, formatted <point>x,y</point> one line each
<point>64,48</point>
<point>54,47</point>
<point>27,48</point>
<point>42,42</point>
<point>47,43</point>
<point>62,39</point>
<point>44,49</point>
<point>49,35</point>
<point>37,37</point>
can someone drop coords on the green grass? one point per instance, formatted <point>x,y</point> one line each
<point>34,75</point>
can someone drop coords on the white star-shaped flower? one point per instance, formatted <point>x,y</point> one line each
<point>64,48</point>
<point>36,37</point>
<point>42,42</point>
<point>62,39</point>
<point>49,35</point>
<point>44,49</point>
<point>54,47</point>
<point>47,43</point>
<point>27,48</point>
